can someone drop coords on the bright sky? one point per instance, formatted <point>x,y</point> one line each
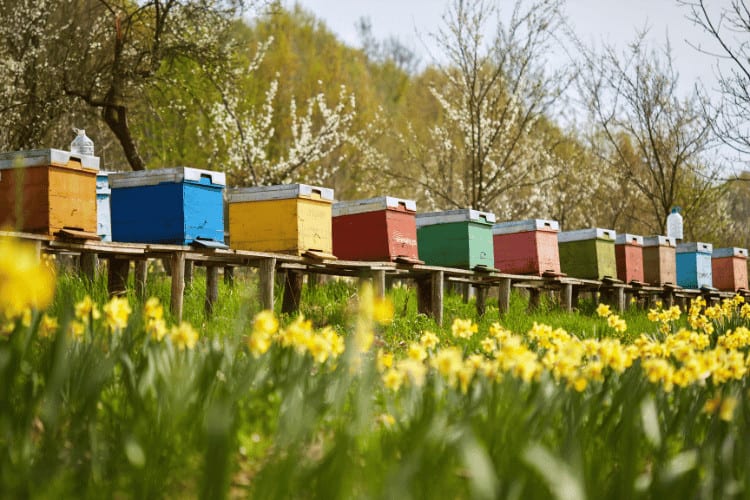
<point>611,21</point>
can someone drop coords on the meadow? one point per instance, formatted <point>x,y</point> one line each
<point>361,398</point>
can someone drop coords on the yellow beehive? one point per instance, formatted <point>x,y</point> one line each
<point>293,218</point>
<point>47,190</point>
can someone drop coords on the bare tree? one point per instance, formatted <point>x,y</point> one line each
<point>490,95</point>
<point>650,138</point>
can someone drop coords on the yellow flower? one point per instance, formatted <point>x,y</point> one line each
<point>86,309</point>
<point>117,311</point>
<point>603,310</point>
<point>266,322</point>
<point>448,361</point>
<point>384,360</point>
<point>726,411</point>
<point>153,309</point>
<point>48,326</point>
<point>76,329</point>
<point>184,336</point>
<point>416,352</point>
<point>463,328</point>
<point>413,370</point>
<point>386,420</point>
<point>382,311</point>
<point>489,345</point>
<point>157,328</point>
<point>429,340</point>
<point>393,379</point>
<point>259,342</point>
<point>25,281</point>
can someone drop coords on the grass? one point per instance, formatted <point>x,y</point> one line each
<point>120,414</point>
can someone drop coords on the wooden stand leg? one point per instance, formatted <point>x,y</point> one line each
<point>212,288</point>
<point>424,295</point>
<point>437,296</point>
<point>188,272</point>
<point>534,294</point>
<point>313,280</point>
<point>266,278</point>
<point>503,300</point>
<point>292,292</point>
<point>229,276</point>
<point>141,276</point>
<point>89,262</point>
<point>574,297</point>
<point>566,296</point>
<point>117,276</point>
<point>619,294</point>
<point>178,284</point>
<point>466,292</point>
<point>378,282</point>
<point>481,294</point>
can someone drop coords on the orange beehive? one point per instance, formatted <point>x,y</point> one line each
<point>46,190</point>
<point>629,256</point>
<point>659,260</point>
<point>729,268</point>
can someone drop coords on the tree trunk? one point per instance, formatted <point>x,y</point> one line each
<point>116,117</point>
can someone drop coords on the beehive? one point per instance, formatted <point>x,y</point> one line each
<point>629,257</point>
<point>456,238</point>
<point>290,218</point>
<point>527,246</point>
<point>588,253</point>
<point>177,205</point>
<point>103,213</point>
<point>694,265</point>
<point>729,268</point>
<point>46,190</point>
<point>659,262</point>
<point>375,229</point>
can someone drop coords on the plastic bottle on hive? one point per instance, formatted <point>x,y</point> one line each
<point>674,224</point>
<point>82,145</point>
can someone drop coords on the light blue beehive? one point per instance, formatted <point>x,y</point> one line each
<point>103,214</point>
<point>694,265</point>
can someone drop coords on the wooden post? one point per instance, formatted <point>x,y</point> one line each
<point>503,300</point>
<point>566,296</point>
<point>229,276</point>
<point>212,287</point>
<point>141,276</point>
<point>313,280</point>
<point>178,284</point>
<point>117,276</point>
<point>292,292</point>
<point>266,278</point>
<point>88,265</point>
<point>188,272</point>
<point>668,297</point>
<point>534,294</point>
<point>437,296</point>
<point>619,298</point>
<point>424,295</point>
<point>466,292</point>
<point>481,294</point>
<point>378,282</point>
<point>574,296</point>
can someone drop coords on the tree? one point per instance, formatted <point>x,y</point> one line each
<point>478,146</point>
<point>651,139</point>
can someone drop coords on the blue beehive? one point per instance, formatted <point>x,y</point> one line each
<point>103,214</point>
<point>178,205</point>
<point>694,265</point>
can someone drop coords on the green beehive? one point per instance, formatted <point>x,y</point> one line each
<point>588,253</point>
<point>456,238</point>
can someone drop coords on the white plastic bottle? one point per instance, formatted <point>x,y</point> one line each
<point>674,224</point>
<point>82,145</point>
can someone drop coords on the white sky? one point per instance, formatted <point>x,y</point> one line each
<point>611,21</point>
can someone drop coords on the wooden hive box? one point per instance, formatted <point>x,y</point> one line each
<point>289,218</point>
<point>629,257</point>
<point>694,265</point>
<point>588,253</point>
<point>729,268</point>
<point>659,261</point>
<point>382,228</point>
<point>456,238</point>
<point>103,213</point>
<point>179,206</point>
<point>527,246</point>
<point>47,190</point>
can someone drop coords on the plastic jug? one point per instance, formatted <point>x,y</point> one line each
<point>82,145</point>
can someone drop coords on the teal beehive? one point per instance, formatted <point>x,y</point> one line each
<point>694,265</point>
<point>456,238</point>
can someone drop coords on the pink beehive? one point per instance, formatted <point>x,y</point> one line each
<point>729,269</point>
<point>527,246</point>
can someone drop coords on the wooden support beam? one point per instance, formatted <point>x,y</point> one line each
<point>424,295</point>
<point>266,281</point>
<point>89,262</point>
<point>229,276</point>
<point>534,294</point>
<point>378,282</point>
<point>437,278</point>
<point>566,297</point>
<point>141,276</point>
<point>178,284</point>
<point>117,276</point>
<point>292,292</point>
<point>619,298</point>
<point>189,272</point>
<point>503,299</point>
<point>212,287</point>
<point>481,294</point>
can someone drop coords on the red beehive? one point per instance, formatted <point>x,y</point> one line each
<point>629,257</point>
<point>729,268</point>
<point>527,246</point>
<point>382,228</point>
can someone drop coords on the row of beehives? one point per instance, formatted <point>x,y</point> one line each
<point>56,190</point>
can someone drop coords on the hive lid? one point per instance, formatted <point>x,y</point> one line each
<point>629,239</point>
<point>729,252</point>
<point>42,157</point>
<point>372,205</point>
<point>695,247</point>
<point>593,233</point>
<point>659,241</point>
<point>280,192</point>
<point>520,226</point>
<point>166,175</point>
<point>460,215</point>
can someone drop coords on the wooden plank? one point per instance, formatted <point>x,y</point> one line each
<point>503,301</point>
<point>141,276</point>
<point>117,277</point>
<point>89,262</point>
<point>266,278</point>
<point>178,284</point>
<point>292,292</point>
<point>212,288</point>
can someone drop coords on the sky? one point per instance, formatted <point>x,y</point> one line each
<point>595,21</point>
